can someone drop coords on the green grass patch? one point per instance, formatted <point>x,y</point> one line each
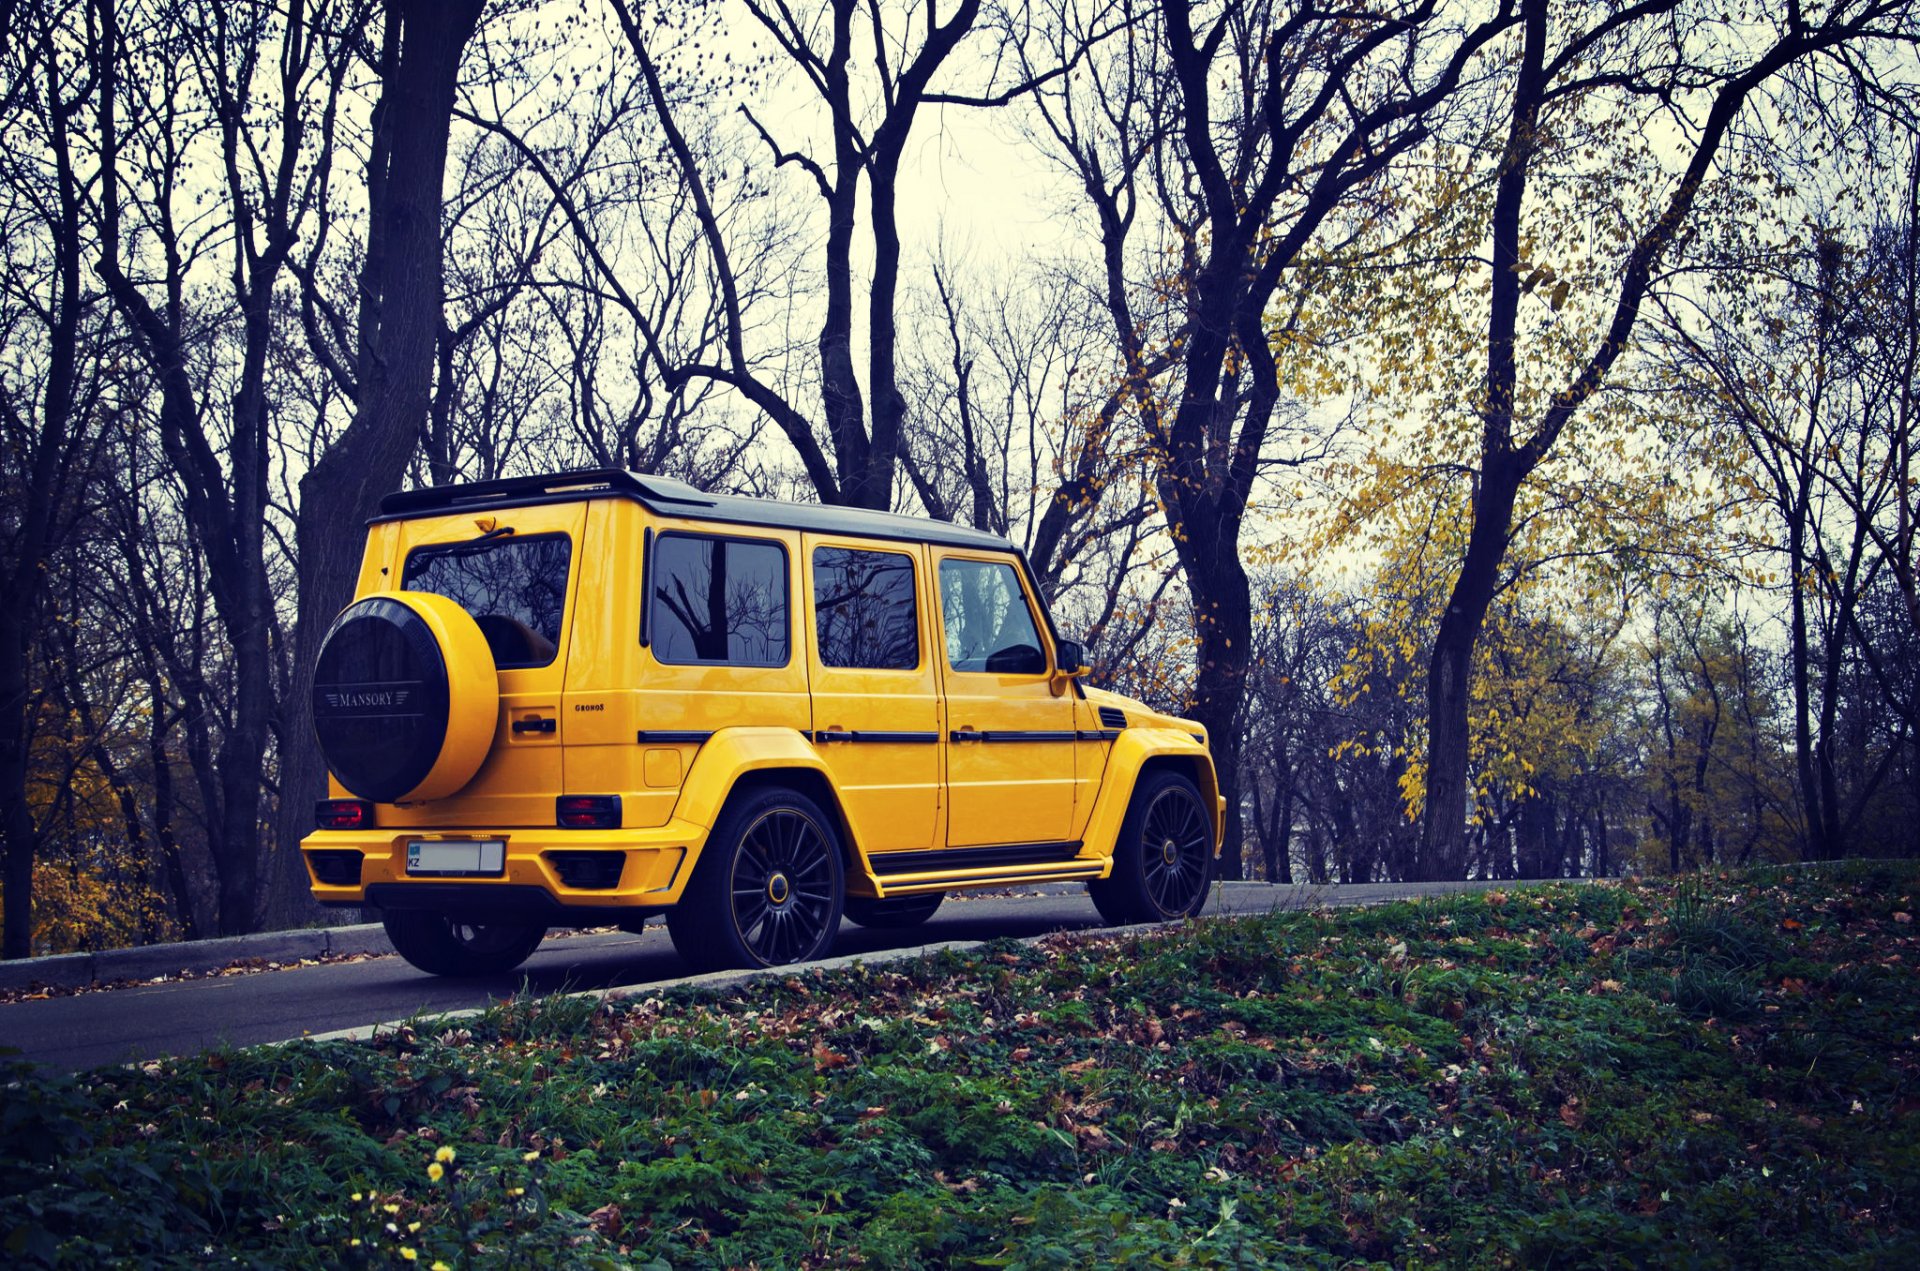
<point>1723,1071</point>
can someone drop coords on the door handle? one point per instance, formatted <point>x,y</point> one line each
<point>967,734</point>
<point>832,734</point>
<point>535,725</point>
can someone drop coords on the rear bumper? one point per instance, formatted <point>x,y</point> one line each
<point>653,872</point>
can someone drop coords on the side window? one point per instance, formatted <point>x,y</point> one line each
<point>863,609</point>
<point>718,600</point>
<point>987,624</point>
<point>515,588</point>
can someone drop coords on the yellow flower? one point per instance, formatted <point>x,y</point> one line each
<point>444,1156</point>
<point>435,1170</point>
<point>441,1266</point>
<point>412,1227</point>
<point>357,1198</point>
<point>531,1157</point>
<point>411,1255</point>
<point>392,1209</point>
<point>516,1191</point>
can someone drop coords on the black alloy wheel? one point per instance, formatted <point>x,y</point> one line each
<point>1178,843</point>
<point>768,888</point>
<point>1163,860</point>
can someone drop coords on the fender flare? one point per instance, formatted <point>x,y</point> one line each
<point>1132,751</point>
<point>732,755</point>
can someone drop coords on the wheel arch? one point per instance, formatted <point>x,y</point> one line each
<point>1138,752</point>
<point>737,761</point>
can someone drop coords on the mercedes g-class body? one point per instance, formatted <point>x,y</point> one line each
<point>588,698</point>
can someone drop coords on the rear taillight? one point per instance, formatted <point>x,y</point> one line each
<point>343,814</point>
<point>588,811</point>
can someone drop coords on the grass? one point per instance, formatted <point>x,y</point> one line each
<point>1719,1072</point>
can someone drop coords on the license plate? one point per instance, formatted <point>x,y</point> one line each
<point>463,857</point>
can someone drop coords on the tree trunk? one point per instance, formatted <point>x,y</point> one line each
<point>1443,839</point>
<point>16,814</point>
<point>1223,618</point>
<point>401,318</point>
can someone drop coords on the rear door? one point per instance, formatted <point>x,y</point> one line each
<point>516,571</point>
<point>876,704</point>
<point>1010,734</point>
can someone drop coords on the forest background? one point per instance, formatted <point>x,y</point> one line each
<point>1495,421</point>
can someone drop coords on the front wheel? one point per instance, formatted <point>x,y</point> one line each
<point>1163,860</point>
<point>440,944</point>
<point>768,888</point>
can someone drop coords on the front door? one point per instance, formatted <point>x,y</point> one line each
<point>1010,735</point>
<point>876,706</point>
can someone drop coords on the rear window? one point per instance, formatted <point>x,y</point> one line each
<point>863,609</point>
<point>515,588</point>
<point>718,600</point>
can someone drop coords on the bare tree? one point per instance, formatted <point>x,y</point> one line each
<point>158,110</point>
<point>1668,64</point>
<point>396,337</point>
<point>908,54</point>
<point>1806,365</point>
<point>51,379</point>
<point>1222,150</point>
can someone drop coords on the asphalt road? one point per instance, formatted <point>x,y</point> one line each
<point>186,1016</point>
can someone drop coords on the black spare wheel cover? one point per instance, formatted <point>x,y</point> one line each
<point>380,699</point>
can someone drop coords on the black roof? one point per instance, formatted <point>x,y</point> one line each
<point>667,497</point>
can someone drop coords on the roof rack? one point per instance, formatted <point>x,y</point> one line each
<point>649,490</point>
<point>666,497</point>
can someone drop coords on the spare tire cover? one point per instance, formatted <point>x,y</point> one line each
<point>405,697</point>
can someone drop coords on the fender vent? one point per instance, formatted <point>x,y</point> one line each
<point>588,871</point>
<point>1112,717</point>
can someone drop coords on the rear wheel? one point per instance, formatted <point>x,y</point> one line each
<point>1163,861</point>
<point>895,911</point>
<point>440,944</point>
<point>768,888</point>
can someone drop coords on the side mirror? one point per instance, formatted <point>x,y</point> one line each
<point>1070,656</point>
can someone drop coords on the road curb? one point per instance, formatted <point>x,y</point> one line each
<point>154,961</point>
<point>147,962</point>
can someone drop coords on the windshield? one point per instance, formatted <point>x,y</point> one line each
<point>515,588</point>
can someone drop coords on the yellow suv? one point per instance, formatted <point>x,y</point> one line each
<point>586,698</point>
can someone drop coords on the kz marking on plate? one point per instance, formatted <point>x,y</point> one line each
<point>468,858</point>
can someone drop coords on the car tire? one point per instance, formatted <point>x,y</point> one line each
<point>768,889</point>
<point>894,912</point>
<point>405,697</point>
<point>441,944</point>
<point>1163,859</point>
